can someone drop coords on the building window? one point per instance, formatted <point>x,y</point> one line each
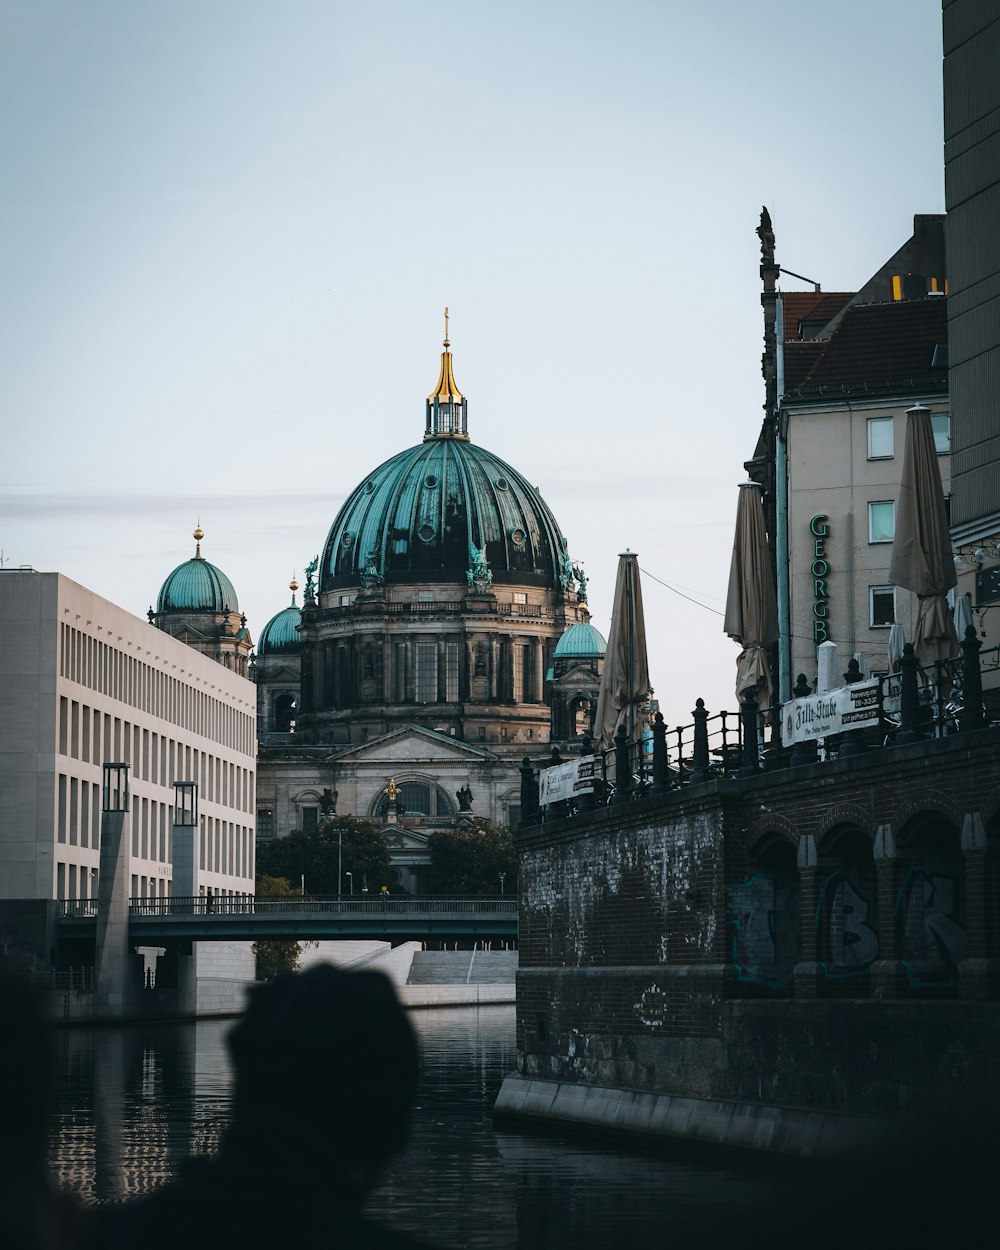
<point>265,822</point>
<point>426,672</point>
<point>880,438</point>
<point>520,596</point>
<point>310,819</point>
<point>881,606</point>
<point>941,425</point>
<point>881,521</point>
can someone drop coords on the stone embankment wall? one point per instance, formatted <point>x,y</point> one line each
<point>824,938</point>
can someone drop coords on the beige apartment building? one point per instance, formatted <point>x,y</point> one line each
<point>83,683</point>
<point>841,370</point>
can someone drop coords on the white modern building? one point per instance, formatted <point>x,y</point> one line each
<point>84,683</point>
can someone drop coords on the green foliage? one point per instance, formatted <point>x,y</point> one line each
<point>470,861</point>
<point>274,958</point>
<point>364,850</point>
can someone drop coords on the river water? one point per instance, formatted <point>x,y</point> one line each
<point>132,1103</point>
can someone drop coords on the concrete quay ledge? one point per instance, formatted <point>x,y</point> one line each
<point>455,995</point>
<point>794,1132</point>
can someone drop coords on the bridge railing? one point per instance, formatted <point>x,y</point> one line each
<point>250,905</point>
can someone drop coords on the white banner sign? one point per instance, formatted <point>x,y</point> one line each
<point>819,715</point>
<point>567,781</point>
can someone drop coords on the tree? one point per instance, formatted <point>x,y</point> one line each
<point>362,849</point>
<point>471,861</point>
<point>274,958</point>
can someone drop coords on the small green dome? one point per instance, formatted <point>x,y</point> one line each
<point>580,641</point>
<point>197,586</point>
<point>281,633</point>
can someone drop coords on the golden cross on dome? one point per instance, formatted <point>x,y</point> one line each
<point>392,790</point>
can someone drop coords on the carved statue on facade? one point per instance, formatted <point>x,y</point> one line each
<point>479,573</point>
<point>464,797</point>
<point>581,582</point>
<point>371,575</point>
<point>766,235</point>
<point>309,594</point>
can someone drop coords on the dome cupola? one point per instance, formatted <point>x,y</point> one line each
<point>580,642</point>
<point>197,586</point>
<point>281,633</point>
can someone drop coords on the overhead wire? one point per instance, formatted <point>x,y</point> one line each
<point>697,602</point>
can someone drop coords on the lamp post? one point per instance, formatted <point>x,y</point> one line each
<point>350,875</point>
<point>503,878</point>
<point>340,855</point>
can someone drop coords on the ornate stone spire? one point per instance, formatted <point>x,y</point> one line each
<point>446,405</point>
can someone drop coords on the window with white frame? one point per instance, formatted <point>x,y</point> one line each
<point>941,425</point>
<point>881,606</point>
<point>881,521</point>
<point>880,445</point>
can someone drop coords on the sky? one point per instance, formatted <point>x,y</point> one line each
<point>229,228</point>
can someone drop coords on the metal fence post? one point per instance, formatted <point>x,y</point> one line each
<point>909,702</point>
<point>660,776</point>
<point>529,792</point>
<point>699,770</point>
<point>751,750</point>
<point>623,775</point>
<point>971,716</point>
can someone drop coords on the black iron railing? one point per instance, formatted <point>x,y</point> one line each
<point>913,704</point>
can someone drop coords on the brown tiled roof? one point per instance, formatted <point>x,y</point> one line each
<point>799,359</point>
<point>880,347</point>
<point>799,306</point>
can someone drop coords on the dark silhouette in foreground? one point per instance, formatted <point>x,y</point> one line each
<point>33,1215</point>
<point>326,1070</point>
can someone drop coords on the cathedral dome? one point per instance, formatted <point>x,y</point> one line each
<point>580,641</point>
<point>281,633</point>
<point>432,512</point>
<point>197,586</point>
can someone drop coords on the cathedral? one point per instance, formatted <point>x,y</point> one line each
<point>443,635</point>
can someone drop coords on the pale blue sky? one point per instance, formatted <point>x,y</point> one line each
<point>228,231</point>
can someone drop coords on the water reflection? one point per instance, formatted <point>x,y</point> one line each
<point>133,1103</point>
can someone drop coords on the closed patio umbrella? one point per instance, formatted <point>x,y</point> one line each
<point>962,616</point>
<point>751,605</point>
<point>922,559</point>
<point>625,680</point>
<point>897,641</point>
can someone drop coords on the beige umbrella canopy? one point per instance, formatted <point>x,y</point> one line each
<point>922,560</point>
<point>751,605</point>
<point>625,680</point>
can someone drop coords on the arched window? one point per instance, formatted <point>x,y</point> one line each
<point>284,714</point>
<point>847,927</point>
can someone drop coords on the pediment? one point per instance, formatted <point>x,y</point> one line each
<point>415,745</point>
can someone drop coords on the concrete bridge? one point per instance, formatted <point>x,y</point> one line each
<point>159,921</point>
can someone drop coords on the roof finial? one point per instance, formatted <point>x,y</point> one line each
<point>198,535</point>
<point>293,586</point>
<point>446,342</point>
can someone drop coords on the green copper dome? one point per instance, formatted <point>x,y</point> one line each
<point>580,641</point>
<point>197,586</point>
<point>281,633</point>
<point>417,517</point>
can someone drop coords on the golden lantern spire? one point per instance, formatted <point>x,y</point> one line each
<point>446,406</point>
<point>198,535</point>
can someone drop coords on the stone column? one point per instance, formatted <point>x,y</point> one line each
<point>539,658</point>
<point>979,971</point>
<point>888,976</point>
<point>112,950</point>
<point>185,886</point>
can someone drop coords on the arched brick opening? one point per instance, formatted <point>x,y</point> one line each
<point>930,904</point>
<point>847,937</point>
<point>763,918</point>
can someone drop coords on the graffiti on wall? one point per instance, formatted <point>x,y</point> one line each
<point>763,921</point>
<point>846,915</point>
<point>934,937</point>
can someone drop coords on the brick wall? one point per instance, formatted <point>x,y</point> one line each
<point>796,937</point>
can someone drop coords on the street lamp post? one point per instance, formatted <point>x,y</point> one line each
<point>350,876</point>
<point>503,878</point>
<point>340,854</point>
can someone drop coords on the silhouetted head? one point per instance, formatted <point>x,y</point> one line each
<point>326,1064</point>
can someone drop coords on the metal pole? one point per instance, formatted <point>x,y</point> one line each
<point>340,851</point>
